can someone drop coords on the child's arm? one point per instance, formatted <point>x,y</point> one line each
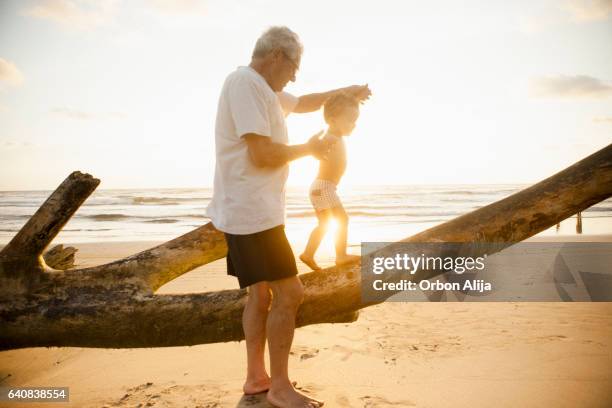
<point>313,102</point>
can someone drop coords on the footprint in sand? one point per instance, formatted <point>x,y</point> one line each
<point>377,402</point>
<point>344,351</point>
<point>431,347</point>
<point>306,356</point>
<point>392,361</point>
<point>150,395</point>
<point>305,353</point>
<point>342,401</point>
<point>553,337</point>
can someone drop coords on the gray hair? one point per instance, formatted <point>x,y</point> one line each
<point>279,38</point>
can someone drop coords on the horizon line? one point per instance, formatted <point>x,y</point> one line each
<point>288,186</point>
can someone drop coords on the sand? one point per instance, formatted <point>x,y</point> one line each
<point>395,355</point>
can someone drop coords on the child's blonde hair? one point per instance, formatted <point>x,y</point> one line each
<point>338,103</point>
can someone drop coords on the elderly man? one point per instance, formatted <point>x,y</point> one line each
<point>248,204</point>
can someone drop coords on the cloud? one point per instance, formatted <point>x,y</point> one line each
<point>191,7</point>
<point>76,114</point>
<point>569,87</point>
<point>9,73</point>
<point>589,10</point>
<point>603,119</point>
<point>570,11</point>
<point>75,14</point>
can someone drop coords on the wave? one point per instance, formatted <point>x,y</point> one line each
<point>305,214</point>
<point>162,221</point>
<point>166,200</point>
<point>154,200</point>
<point>34,205</point>
<point>598,209</point>
<point>356,206</point>
<point>469,192</point>
<point>108,217</point>
<point>15,217</point>
<point>159,219</point>
<point>467,200</point>
<point>87,229</point>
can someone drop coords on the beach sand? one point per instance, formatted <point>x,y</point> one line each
<point>395,355</point>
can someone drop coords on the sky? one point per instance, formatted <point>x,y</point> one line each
<point>470,92</point>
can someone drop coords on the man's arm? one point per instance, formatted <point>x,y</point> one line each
<point>313,102</point>
<point>264,153</point>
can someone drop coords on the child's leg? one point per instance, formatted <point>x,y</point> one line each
<point>316,236</point>
<point>341,236</point>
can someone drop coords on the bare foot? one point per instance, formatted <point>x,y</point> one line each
<point>310,262</point>
<point>345,259</point>
<point>256,386</point>
<point>289,397</point>
<point>251,387</point>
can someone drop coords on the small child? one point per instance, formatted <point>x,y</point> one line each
<point>340,112</point>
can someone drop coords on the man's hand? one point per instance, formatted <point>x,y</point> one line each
<point>265,153</point>
<point>318,147</point>
<point>361,92</point>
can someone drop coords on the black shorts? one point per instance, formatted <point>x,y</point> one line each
<point>262,256</point>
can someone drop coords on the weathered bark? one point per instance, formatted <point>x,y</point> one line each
<point>113,305</point>
<point>59,257</point>
<point>154,267</point>
<point>21,265</point>
<point>51,217</point>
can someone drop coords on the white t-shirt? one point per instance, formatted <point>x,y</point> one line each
<point>248,199</point>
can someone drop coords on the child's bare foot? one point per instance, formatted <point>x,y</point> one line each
<point>310,262</point>
<point>346,259</point>
<point>289,397</point>
<point>251,387</point>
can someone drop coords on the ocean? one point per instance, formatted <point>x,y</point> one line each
<point>377,213</point>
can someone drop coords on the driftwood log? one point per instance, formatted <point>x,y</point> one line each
<point>59,257</point>
<point>114,305</point>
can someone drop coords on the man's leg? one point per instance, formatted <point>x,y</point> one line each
<point>287,295</point>
<point>254,319</point>
<point>341,236</point>
<point>316,236</point>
